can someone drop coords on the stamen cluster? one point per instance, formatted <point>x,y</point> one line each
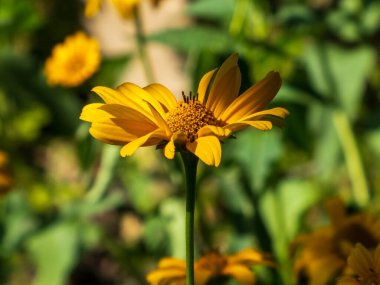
<point>189,117</point>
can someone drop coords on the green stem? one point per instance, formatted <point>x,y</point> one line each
<point>353,159</point>
<point>190,163</point>
<point>110,156</point>
<point>141,46</point>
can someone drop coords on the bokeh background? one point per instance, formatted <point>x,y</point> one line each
<point>72,211</point>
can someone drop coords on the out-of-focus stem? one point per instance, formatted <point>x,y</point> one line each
<point>353,159</point>
<point>109,158</point>
<point>141,46</point>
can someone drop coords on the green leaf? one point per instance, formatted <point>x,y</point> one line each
<point>232,193</point>
<point>256,151</point>
<point>282,210</point>
<point>194,38</point>
<point>54,252</point>
<point>340,74</point>
<point>212,9</point>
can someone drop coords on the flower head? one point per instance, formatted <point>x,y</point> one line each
<point>133,117</point>
<point>324,252</point>
<point>124,7</point>
<point>364,265</point>
<point>73,61</point>
<point>172,271</point>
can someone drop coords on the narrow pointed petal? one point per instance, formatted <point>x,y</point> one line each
<point>208,149</point>
<point>225,87</point>
<point>260,125</point>
<point>160,120</point>
<point>131,147</point>
<point>253,99</point>
<point>214,130</point>
<point>277,112</point>
<point>163,95</point>
<point>204,84</point>
<point>241,273</point>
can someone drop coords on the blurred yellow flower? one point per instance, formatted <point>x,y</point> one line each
<point>323,253</point>
<point>124,7</point>
<point>135,117</point>
<point>73,61</point>
<point>5,178</point>
<point>365,267</point>
<point>172,271</point>
<point>92,7</point>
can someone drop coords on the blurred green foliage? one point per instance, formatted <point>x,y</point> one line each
<point>62,223</point>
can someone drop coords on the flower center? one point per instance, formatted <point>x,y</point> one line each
<point>189,116</point>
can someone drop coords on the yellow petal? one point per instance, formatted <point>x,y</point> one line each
<point>168,262</point>
<point>128,99</point>
<point>161,123</point>
<point>130,89</point>
<point>214,130</point>
<point>246,256</point>
<point>124,112</point>
<point>225,87</point>
<point>126,118</point>
<point>109,132</point>
<point>92,7</point>
<point>253,99</point>
<point>166,276</point>
<point>163,95</point>
<point>204,84</point>
<point>208,149</point>
<point>260,125</point>
<point>90,112</point>
<point>240,273</point>
<point>277,112</point>
<point>169,149</point>
<point>131,147</point>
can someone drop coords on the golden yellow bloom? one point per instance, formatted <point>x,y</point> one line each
<point>5,178</point>
<point>73,61</point>
<point>172,271</point>
<point>92,7</point>
<point>123,7</point>
<point>324,252</point>
<point>365,266</point>
<point>135,117</point>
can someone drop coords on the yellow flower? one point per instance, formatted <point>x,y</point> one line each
<point>324,252</point>
<point>365,266</point>
<point>135,117</point>
<point>172,271</point>
<point>5,178</point>
<point>73,61</point>
<point>92,7</point>
<point>124,7</point>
